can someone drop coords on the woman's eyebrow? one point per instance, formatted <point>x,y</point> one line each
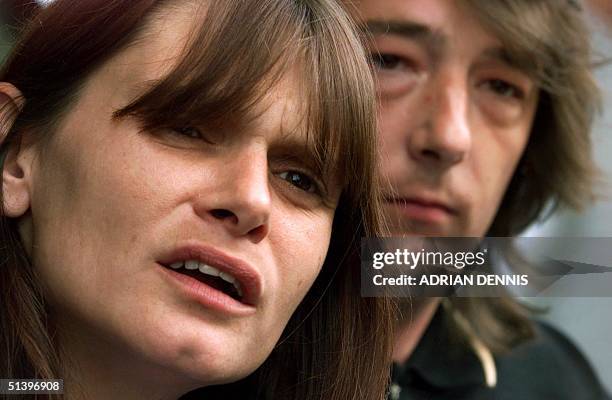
<point>291,148</point>
<point>133,91</point>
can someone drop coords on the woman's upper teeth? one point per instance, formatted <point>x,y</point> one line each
<point>208,270</point>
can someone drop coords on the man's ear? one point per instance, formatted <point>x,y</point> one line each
<point>15,169</point>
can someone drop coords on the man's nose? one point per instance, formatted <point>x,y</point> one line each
<point>240,198</point>
<point>443,138</point>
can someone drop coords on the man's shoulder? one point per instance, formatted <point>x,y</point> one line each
<point>549,366</point>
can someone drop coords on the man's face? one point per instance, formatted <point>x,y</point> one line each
<point>455,115</point>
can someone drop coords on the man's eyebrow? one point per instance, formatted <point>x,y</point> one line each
<point>433,39</point>
<point>502,55</point>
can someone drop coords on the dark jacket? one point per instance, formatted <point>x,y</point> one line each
<point>546,368</point>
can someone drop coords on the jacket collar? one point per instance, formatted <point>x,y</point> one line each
<point>441,360</point>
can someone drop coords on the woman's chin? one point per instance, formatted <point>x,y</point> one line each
<point>204,359</point>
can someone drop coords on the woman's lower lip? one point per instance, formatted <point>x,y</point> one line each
<point>207,296</point>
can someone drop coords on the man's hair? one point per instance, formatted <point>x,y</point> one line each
<point>337,344</point>
<point>550,41</point>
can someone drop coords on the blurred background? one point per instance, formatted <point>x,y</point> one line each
<point>588,321</point>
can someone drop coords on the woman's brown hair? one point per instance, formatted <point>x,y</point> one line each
<point>337,344</point>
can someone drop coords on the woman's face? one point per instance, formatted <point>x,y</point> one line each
<point>114,210</point>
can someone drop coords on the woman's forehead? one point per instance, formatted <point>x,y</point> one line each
<point>156,50</point>
<point>140,67</point>
<point>172,74</point>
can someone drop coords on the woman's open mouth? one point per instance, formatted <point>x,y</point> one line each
<point>214,279</point>
<point>210,276</point>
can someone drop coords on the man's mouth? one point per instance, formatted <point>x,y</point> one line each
<point>422,202</point>
<point>424,210</point>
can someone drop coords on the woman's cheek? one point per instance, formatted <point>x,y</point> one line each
<point>306,240</point>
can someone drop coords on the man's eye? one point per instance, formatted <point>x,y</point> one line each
<point>386,61</point>
<point>299,180</point>
<point>504,89</point>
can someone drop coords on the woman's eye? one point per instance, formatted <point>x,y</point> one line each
<point>299,180</point>
<point>189,131</point>
<point>192,133</point>
<point>504,89</point>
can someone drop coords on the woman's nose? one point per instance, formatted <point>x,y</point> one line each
<point>240,199</point>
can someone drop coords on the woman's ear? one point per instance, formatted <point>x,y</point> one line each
<point>13,163</point>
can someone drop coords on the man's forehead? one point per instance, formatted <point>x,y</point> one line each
<point>407,29</point>
<point>418,10</point>
<point>434,20</point>
<point>438,25</point>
